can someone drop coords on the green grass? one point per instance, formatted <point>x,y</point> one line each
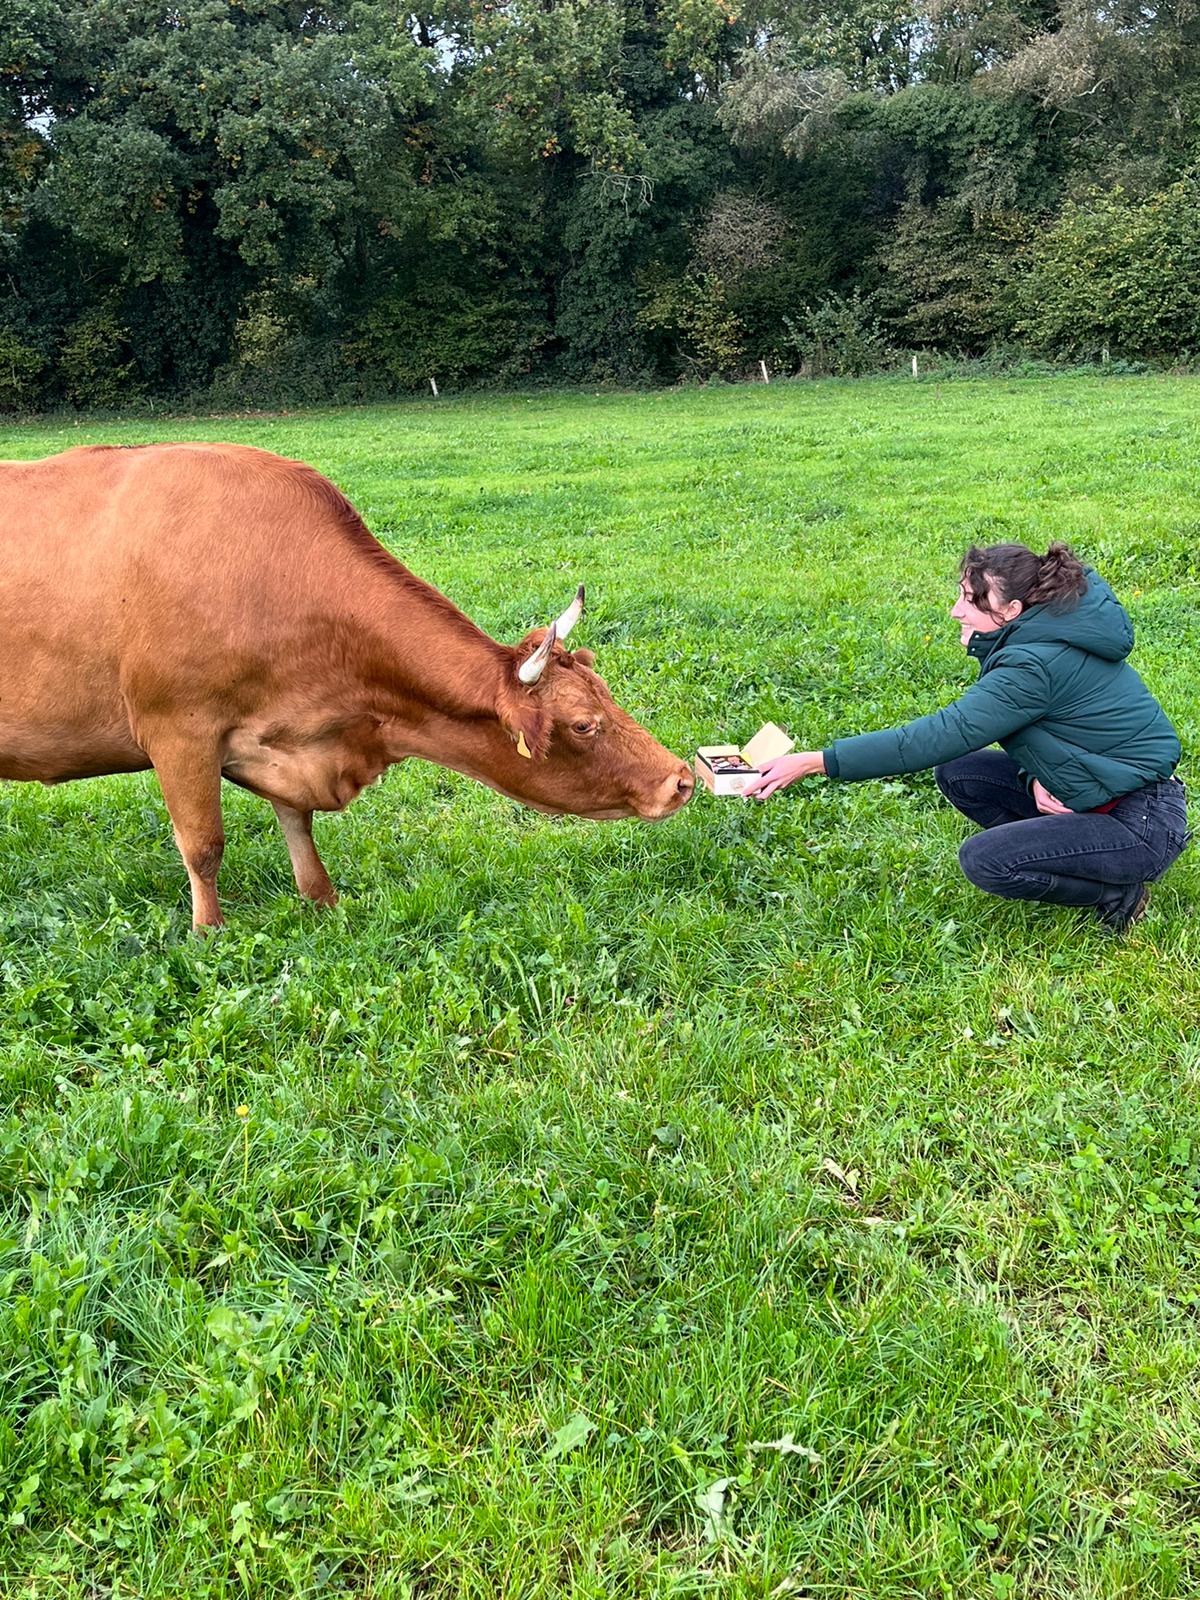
<point>580,1160</point>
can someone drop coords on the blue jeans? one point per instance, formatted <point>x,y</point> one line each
<point>1088,858</point>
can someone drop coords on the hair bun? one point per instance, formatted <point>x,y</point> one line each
<point>1061,577</point>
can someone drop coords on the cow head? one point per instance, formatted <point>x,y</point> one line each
<point>573,749</point>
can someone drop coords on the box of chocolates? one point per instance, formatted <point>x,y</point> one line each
<point>724,769</point>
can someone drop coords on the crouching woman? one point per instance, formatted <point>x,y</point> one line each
<point>1080,805</point>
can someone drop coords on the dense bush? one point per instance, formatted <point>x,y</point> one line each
<point>20,368</point>
<point>96,362</point>
<point>453,336</point>
<point>839,337</point>
<point>948,276</point>
<point>1114,275</point>
<point>690,316</point>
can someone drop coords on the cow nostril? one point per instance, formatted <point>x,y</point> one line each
<point>685,784</point>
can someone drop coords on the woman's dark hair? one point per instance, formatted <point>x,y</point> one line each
<point>1016,573</point>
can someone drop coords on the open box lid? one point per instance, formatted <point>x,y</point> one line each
<point>768,743</point>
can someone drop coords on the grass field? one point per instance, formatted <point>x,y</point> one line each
<point>739,1207</point>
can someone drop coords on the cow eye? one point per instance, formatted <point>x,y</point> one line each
<point>584,727</point>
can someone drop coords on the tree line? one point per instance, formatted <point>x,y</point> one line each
<point>260,200</point>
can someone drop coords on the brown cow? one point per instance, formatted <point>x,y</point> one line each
<point>214,611</point>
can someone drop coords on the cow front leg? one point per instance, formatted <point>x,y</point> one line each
<point>190,780</point>
<point>311,878</point>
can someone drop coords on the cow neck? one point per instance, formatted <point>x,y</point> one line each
<point>478,747</point>
<point>436,659</point>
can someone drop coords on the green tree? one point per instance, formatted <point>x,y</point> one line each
<point>1115,275</point>
<point>195,155</point>
<point>948,276</point>
<point>329,202</point>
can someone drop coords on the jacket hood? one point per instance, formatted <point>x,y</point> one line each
<point>1097,623</point>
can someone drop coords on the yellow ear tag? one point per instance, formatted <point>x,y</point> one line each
<point>522,748</point>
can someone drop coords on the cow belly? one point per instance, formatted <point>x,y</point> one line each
<point>62,714</point>
<point>58,730</point>
<point>58,756</point>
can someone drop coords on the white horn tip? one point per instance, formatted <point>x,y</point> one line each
<point>571,615</point>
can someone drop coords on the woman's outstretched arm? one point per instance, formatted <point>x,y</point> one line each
<point>1006,699</point>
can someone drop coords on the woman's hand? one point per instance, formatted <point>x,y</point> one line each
<point>783,770</point>
<point>1049,805</point>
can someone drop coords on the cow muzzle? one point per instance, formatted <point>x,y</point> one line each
<point>670,796</point>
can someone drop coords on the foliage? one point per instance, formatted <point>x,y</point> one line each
<point>988,153</point>
<point>1117,275</point>
<point>96,363</point>
<point>841,336</point>
<point>551,75</point>
<point>596,303</point>
<point>178,170</point>
<point>717,336</point>
<point>700,37</point>
<point>775,104</point>
<point>737,243</point>
<point>20,368</point>
<point>734,1207</point>
<point>948,276</point>
<point>741,233</point>
<point>457,337</point>
<point>206,154</point>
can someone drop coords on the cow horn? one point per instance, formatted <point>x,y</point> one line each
<point>570,616</point>
<point>530,671</point>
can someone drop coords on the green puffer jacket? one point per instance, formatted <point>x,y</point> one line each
<point>1055,690</point>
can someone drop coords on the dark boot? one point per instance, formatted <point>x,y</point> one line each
<point>1127,908</point>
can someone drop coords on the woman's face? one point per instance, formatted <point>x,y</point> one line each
<point>975,619</point>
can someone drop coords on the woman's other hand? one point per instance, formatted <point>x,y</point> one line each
<point>783,770</point>
<point>1048,804</point>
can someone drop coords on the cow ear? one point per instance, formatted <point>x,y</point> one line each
<point>585,658</point>
<point>530,734</point>
<point>525,721</point>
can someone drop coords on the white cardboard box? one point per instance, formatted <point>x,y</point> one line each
<point>725,769</point>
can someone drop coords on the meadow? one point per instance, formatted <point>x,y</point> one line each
<point>742,1206</point>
